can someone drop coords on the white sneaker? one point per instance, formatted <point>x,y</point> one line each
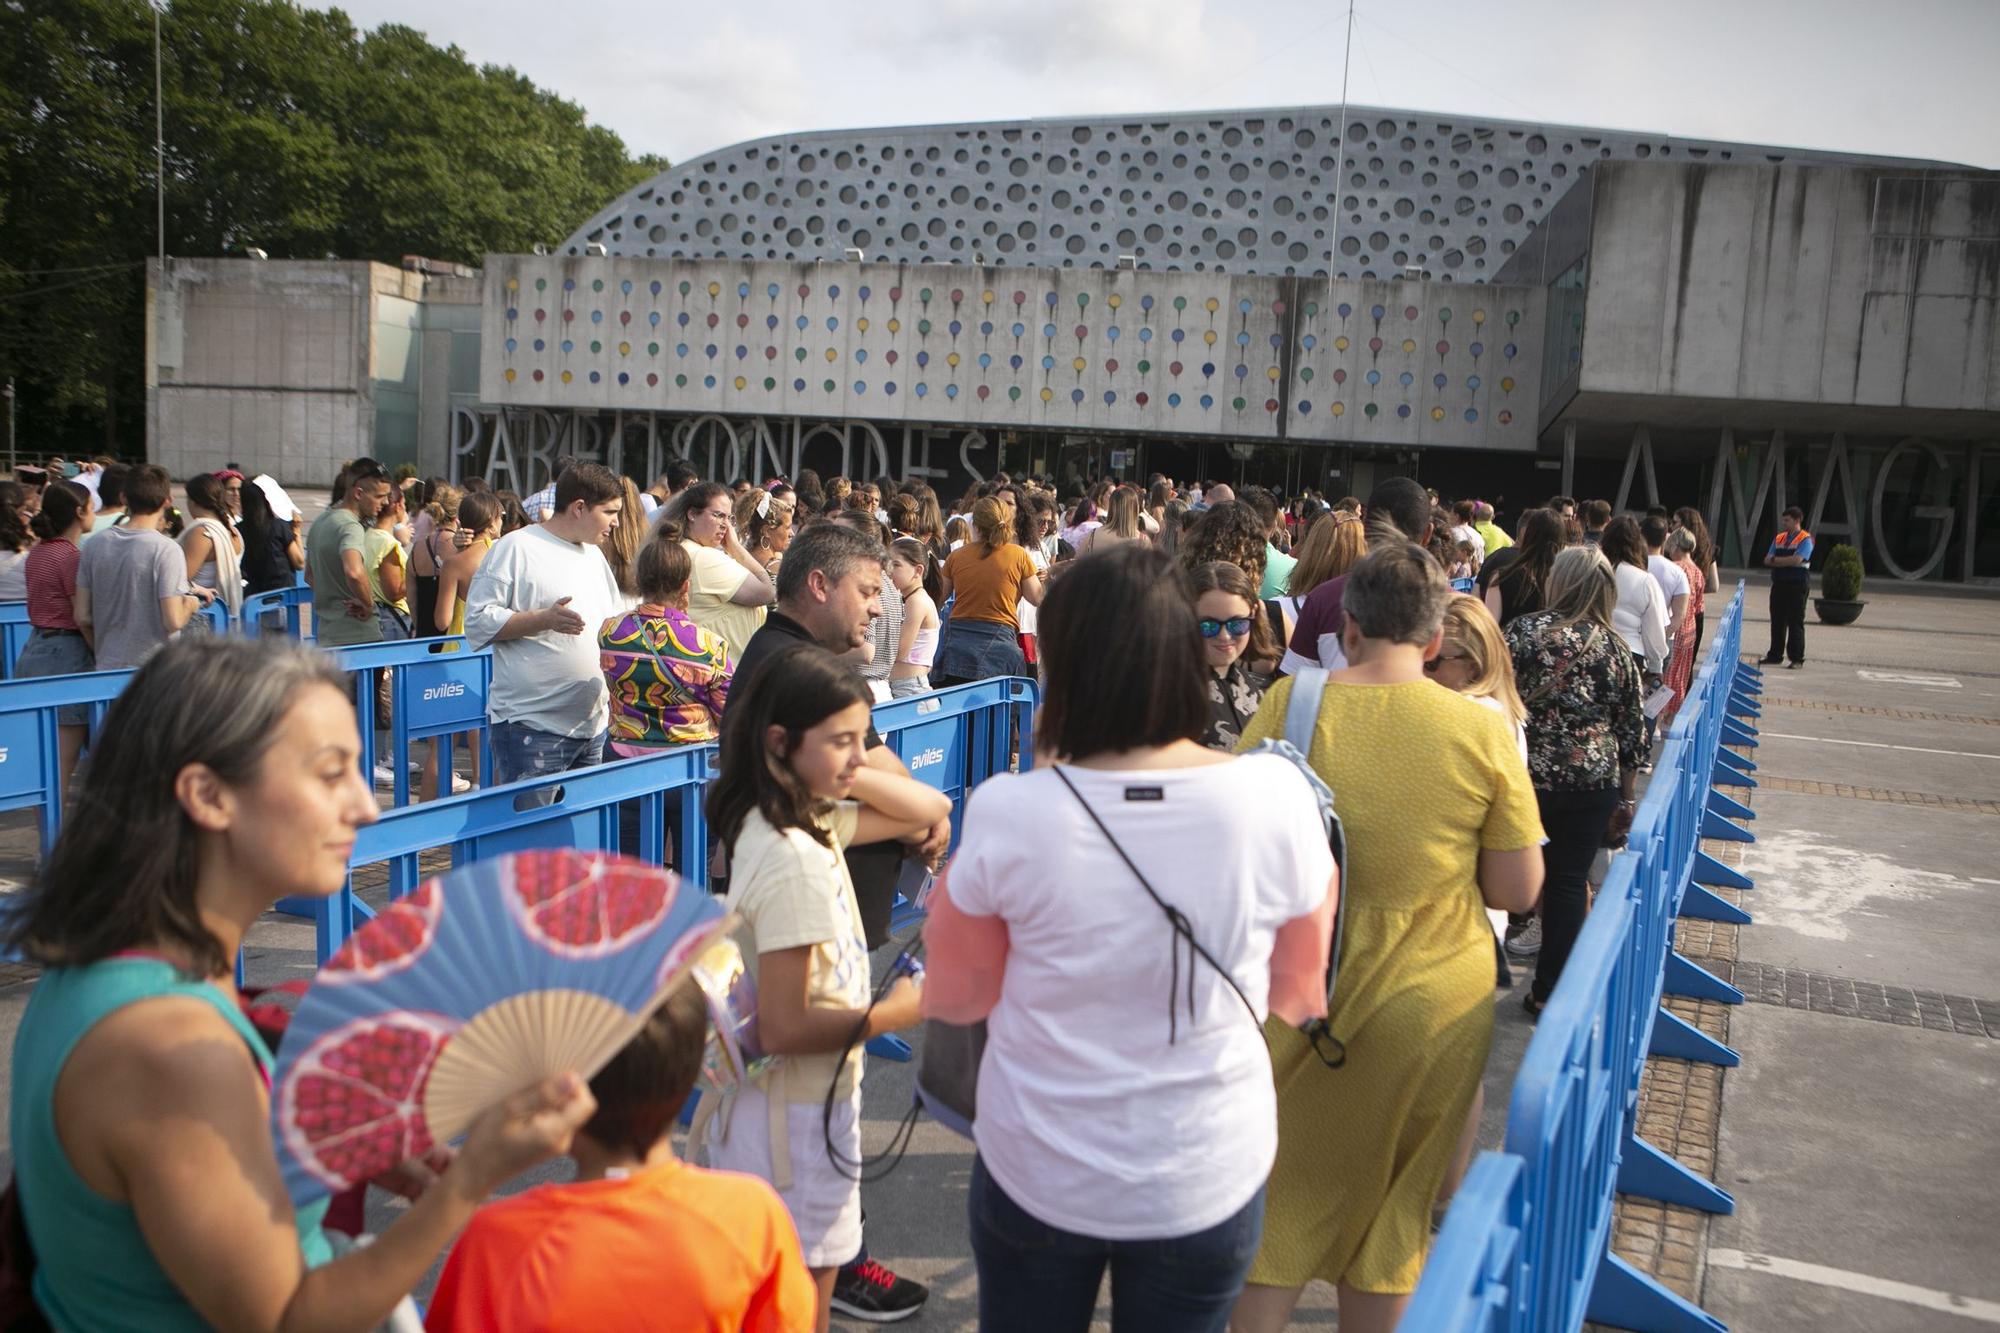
<point>1528,943</point>
<point>460,785</point>
<point>385,776</point>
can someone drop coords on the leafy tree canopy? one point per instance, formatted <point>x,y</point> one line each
<point>286,129</point>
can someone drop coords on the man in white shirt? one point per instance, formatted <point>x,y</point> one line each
<point>1673,580</point>
<point>538,598</point>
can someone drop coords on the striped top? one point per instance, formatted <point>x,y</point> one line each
<point>669,678</point>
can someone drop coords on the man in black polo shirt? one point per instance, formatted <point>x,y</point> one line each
<point>829,593</point>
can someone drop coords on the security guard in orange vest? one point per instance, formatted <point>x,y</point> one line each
<point>1790,560</point>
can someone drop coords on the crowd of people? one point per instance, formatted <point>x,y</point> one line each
<point>1516,680</point>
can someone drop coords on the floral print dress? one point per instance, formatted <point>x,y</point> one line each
<point>1232,701</point>
<point>1583,692</point>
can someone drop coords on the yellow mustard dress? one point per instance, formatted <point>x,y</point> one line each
<point>1423,779</point>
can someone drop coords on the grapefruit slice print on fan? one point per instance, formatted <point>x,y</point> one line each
<point>398,936</point>
<point>352,1106</point>
<point>578,906</point>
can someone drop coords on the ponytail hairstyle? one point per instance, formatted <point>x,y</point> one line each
<point>920,554</point>
<point>800,685</point>
<point>989,520</point>
<point>205,490</point>
<point>14,535</point>
<point>64,503</point>
<point>441,503</point>
<point>478,511</point>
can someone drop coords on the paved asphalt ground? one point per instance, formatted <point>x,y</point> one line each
<point>1860,1137</point>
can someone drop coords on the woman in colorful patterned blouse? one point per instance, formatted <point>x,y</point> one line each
<point>669,677</point>
<point>1581,686</point>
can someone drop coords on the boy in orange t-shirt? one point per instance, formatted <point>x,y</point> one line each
<point>640,1240</point>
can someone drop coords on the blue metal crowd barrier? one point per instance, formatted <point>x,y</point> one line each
<point>437,688</point>
<point>952,739</point>
<point>1529,1249</point>
<point>576,809</point>
<point>281,610</point>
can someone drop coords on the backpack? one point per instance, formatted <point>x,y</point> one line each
<point>1301,716</point>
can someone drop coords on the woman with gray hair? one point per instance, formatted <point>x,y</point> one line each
<point>1413,1008</point>
<point>1680,548</point>
<point>1586,739</point>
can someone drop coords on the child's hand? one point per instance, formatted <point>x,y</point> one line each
<point>901,1008</point>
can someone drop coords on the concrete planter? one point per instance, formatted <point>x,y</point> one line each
<point>1834,611</point>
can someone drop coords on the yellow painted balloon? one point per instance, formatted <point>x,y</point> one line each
<point>1273,373</point>
<point>1209,337</point>
<point>1409,344</point>
<point>565,377</point>
<point>1047,394</point>
<point>1340,343</point>
<point>624,349</point>
<point>1479,317</point>
<point>987,296</point>
<point>740,381</point>
<point>832,355</point>
<point>895,326</point>
<point>951,359</point>
<point>1213,305</point>
<point>1078,364</point>
<point>513,284</point>
<point>862,324</point>
<point>510,375</point>
<point>715,289</point>
<point>1437,414</point>
<point>1114,300</point>
<point>1339,409</point>
<point>1507,384</point>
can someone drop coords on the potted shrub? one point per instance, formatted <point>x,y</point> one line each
<point>1839,602</point>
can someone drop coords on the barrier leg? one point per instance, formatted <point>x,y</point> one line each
<point>1715,826</point>
<point>1722,775</point>
<point>1695,982</point>
<point>889,1046</point>
<point>1651,1174</point>
<point>1707,870</point>
<point>1727,808</point>
<point>1623,1297</point>
<point>1678,1039</point>
<point>1731,759</point>
<point>1742,706</point>
<point>1702,905</point>
<point>1734,733</point>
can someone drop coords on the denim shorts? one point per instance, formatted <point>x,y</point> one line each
<point>521,751</point>
<point>55,654</point>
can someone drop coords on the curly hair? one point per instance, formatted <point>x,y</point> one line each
<point>1228,531</point>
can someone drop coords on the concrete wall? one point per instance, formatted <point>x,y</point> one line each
<point>273,363</point>
<point>1397,363</point>
<point>1842,286</point>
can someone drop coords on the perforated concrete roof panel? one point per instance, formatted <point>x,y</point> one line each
<point>1239,192</point>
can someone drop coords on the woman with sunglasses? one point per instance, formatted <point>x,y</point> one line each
<point>729,589</point>
<point>1225,605</point>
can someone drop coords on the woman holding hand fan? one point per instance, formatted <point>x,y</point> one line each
<point>159,1202</point>
<point>796,790</point>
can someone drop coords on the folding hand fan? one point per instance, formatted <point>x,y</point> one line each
<point>480,983</point>
<point>733,1054</point>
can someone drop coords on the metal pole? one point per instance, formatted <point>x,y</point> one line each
<point>1340,158</point>
<point>10,425</point>
<point>159,140</point>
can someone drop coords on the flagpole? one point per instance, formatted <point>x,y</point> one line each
<point>1339,158</point>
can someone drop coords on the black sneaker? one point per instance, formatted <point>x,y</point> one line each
<point>871,1293</point>
<point>1769,661</point>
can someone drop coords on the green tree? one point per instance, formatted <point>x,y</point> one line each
<point>286,129</point>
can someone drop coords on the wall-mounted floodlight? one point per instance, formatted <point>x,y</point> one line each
<point>596,250</point>
<point>1129,263</point>
<point>252,252</point>
<point>852,254</point>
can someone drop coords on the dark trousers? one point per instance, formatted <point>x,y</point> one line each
<point>1788,621</point>
<point>874,867</point>
<point>1041,1278</point>
<point>1574,822</point>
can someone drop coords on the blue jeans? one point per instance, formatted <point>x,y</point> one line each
<point>521,751</point>
<point>1039,1277</point>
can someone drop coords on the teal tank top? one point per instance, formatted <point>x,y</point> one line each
<point>93,1268</point>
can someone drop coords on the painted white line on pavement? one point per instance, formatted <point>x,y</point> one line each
<point>1875,745</point>
<point>1985,1312</point>
<point>1974,879</point>
<point>1908,678</point>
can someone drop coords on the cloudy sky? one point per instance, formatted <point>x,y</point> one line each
<point>1914,78</point>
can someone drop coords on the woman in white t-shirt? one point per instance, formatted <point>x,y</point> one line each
<point>1125,1095</point>
<point>729,590</point>
<point>1640,617</point>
